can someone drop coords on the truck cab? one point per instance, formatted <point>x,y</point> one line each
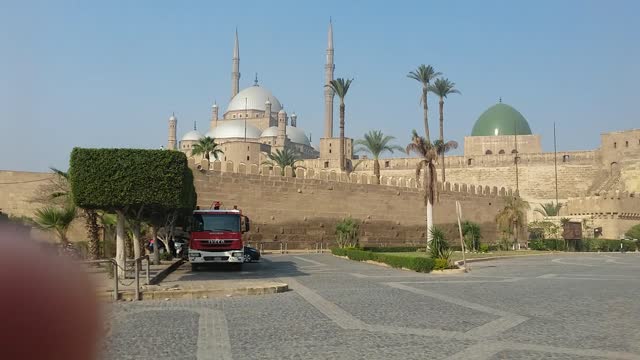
<point>216,237</point>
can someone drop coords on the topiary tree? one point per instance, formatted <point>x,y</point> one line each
<point>123,180</point>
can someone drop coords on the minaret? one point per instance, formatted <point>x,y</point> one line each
<point>328,93</point>
<point>294,120</point>
<point>282,129</point>
<point>267,111</point>
<point>235,72</point>
<point>173,123</point>
<point>214,116</point>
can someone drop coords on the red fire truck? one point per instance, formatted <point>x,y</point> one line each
<point>216,237</point>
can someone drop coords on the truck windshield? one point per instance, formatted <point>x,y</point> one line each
<point>216,222</point>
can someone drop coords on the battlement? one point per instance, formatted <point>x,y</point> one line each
<point>329,176</point>
<point>615,204</point>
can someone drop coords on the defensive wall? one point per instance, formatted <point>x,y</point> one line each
<point>302,211</point>
<point>616,211</point>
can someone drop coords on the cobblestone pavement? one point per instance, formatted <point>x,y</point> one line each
<point>546,307</point>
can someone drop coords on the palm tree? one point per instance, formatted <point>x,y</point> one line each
<point>340,87</point>
<point>549,209</point>
<point>207,146</point>
<point>283,158</point>
<point>424,74</point>
<point>442,148</point>
<point>57,220</point>
<point>90,215</point>
<point>375,143</point>
<point>427,152</point>
<point>512,217</point>
<point>443,87</point>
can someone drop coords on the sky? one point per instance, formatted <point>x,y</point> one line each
<point>110,73</point>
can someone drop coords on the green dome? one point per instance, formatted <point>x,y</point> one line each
<point>501,119</point>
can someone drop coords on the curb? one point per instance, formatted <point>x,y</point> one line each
<point>205,293</point>
<point>168,270</point>
<point>460,263</point>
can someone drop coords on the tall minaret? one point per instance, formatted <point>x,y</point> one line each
<point>173,123</point>
<point>328,93</point>
<point>235,72</point>
<point>214,116</point>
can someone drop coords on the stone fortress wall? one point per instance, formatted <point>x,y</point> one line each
<point>303,210</point>
<point>615,212</point>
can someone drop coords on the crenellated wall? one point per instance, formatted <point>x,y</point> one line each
<point>304,209</point>
<point>616,212</point>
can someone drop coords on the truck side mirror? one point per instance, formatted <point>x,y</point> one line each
<point>247,227</point>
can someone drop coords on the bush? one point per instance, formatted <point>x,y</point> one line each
<point>166,256</point>
<point>439,244</point>
<point>347,233</point>
<point>420,264</point>
<point>472,235</point>
<point>484,248</point>
<point>394,249</point>
<point>634,232</point>
<point>441,264</point>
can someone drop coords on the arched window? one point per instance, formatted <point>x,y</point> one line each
<point>488,152</point>
<point>234,116</point>
<point>615,145</point>
<point>626,144</point>
<point>386,164</point>
<point>501,152</point>
<point>469,161</point>
<point>565,158</point>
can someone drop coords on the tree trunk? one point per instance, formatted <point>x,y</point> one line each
<point>442,137</point>
<point>156,252</point>
<point>342,147</point>
<point>120,239</point>
<point>135,234</point>
<point>429,223</point>
<point>93,233</point>
<point>425,108</point>
<point>376,170</point>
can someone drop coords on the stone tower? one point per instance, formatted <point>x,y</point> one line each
<point>214,116</point>
<point>294,119</point>
<point>328,93</point>
<point>173,123</point>
<point>235,72</point>
<point>282,130</point>
<point>267,111</point>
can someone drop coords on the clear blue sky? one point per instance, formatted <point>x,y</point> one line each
<point>109,73</point>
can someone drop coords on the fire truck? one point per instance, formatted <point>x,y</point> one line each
<point>216,237</point>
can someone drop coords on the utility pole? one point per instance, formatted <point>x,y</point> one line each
<point>515,138</point>
<point>555,159</point>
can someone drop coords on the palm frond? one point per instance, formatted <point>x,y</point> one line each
<point>442,87</point>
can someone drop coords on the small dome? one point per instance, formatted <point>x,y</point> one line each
<point>271,131</point>
<point>267,102</point>
<point>294,134</point>
<point>234,129</point>
<point>501,119</point>
<point>294,115</point>
<point>173,117</point>
<point>297,135</point>
<point>255,97</point>
<point>214,106</point>
<point>192,135</point>
<point>282,112</point>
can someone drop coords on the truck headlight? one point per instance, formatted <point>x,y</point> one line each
<point>194,254</point>
<point>237,254</point>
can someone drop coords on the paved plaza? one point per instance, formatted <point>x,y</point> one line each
<point>561,306</point>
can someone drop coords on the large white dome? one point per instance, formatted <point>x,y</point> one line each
<point>255,97</point>
<point>192,135</point>
<point>295,134</point>
<point>233,129</point>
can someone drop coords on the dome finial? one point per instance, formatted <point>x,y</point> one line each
<point>500,100</point>
<point>195,127</point>
<point>255,82</point>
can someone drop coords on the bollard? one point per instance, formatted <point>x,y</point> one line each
<point>148,268</point>
<point>136,272</point>
<point>281,249</point>
<point>286,248</point>
<point>115,278</point>
<point>316,248</point>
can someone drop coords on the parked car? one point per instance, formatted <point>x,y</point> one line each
<point>251,254</point>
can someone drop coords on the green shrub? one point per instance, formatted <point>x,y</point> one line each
<point>166,256</point>
<point>472,235</point>
<point>484,248</point>
<point>438,244</point>
<point>420,264</point>
<point>394,249</point>
<point>347,233</point>
<point>634,232</point>
<point>441,264</point>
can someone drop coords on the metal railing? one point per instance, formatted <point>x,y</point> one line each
<point>136,271</point>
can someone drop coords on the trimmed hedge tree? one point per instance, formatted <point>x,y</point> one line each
<point>124,180</point>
